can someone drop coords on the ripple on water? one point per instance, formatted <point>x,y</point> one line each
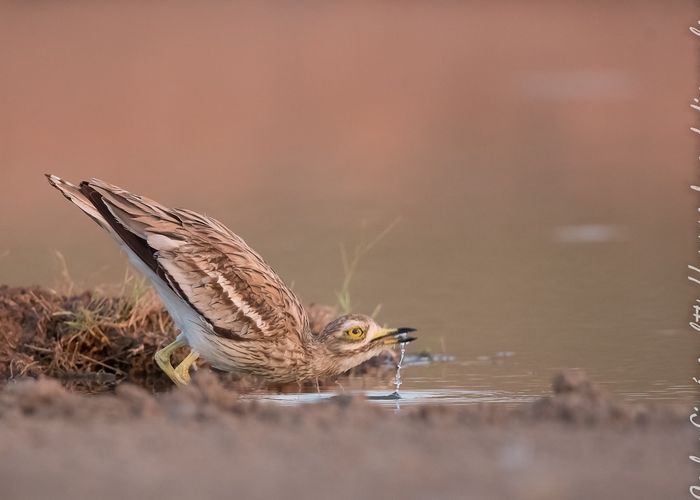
<point>455,397</point>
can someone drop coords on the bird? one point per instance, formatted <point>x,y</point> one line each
<point>230,307</point>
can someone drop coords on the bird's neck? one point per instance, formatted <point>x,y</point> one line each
<point>321,360</point>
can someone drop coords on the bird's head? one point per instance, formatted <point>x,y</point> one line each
<point>354,338</point>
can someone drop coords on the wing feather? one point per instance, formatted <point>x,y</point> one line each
<point>202,261</point>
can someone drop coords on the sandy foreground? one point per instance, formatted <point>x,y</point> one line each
<point>207,442</point>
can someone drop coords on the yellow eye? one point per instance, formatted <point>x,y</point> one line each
<point>355,333</point>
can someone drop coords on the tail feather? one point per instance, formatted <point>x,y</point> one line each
<point>73,193</point>
<point>124,216</point>
<point>121,225</point>
<point>137,213</point>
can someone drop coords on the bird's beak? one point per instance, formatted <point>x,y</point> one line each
<point>391,336</point>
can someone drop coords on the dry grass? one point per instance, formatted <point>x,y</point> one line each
<point>350,264</point>
<point>89,341</point>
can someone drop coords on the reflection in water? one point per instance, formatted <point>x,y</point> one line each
<point>589,233</point>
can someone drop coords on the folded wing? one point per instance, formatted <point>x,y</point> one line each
<point>215,271</point>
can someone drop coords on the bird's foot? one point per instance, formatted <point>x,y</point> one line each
<point>182,372</point>
<point>162,359</point>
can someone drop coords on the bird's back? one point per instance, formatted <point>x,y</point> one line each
<point>238,296</point>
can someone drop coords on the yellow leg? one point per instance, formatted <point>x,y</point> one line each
<point>183,369</point>
<point>162,358</point>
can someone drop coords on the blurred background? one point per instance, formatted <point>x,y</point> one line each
<point>537,154</point>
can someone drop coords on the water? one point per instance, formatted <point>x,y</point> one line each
<point>397,378</point>
<point>541,228</point>
<point>456,397</point>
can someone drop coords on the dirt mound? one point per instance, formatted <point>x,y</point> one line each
<point>91,342</point>
<point>577,400</point>
<point>206,399</point>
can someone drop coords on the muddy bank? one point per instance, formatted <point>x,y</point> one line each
<point>208,442</point>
